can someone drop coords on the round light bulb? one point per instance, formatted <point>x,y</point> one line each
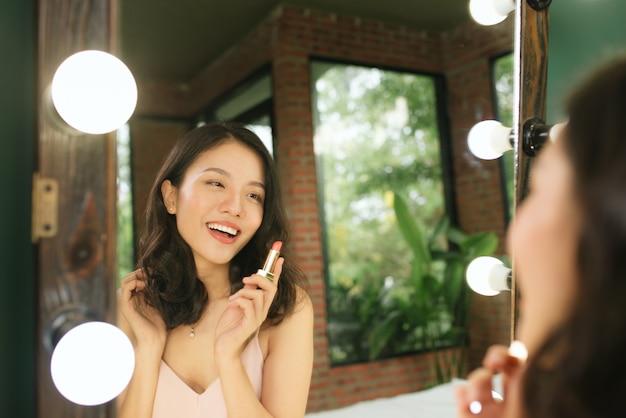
<point>556,131</point>
<point>490,12</point>
<point>489,139</point>
<point>92,363</point>
<point>487,276</point>
<point>94,92</point>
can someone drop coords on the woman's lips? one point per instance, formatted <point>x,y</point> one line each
<point>223,233</point>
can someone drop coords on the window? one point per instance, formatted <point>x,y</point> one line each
<point>249,103</point>
<point>377,132</point>
<point>125,231</point>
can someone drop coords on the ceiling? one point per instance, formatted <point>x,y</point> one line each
<point>172,40</point>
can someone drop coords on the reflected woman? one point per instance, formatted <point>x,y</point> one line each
<point>212,337</point>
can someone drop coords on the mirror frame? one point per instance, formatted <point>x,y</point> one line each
<point>531,68</point>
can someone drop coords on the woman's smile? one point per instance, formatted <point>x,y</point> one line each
<point>222,232</point>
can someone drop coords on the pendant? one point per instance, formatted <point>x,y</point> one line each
<point>192,333</point>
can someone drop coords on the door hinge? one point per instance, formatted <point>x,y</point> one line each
<point>45,207</point>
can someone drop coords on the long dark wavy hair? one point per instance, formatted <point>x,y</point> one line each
<point>581,370</point>
<point>173,287</point>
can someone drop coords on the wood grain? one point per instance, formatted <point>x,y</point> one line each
<point>75,267</point>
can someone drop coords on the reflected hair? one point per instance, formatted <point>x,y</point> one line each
<point>580,370</point>
<point>173,287</point>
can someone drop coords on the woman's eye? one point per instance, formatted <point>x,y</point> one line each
<point>256,197</point>
<point>215,183</point>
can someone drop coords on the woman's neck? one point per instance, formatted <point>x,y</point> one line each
<point>216,281</point>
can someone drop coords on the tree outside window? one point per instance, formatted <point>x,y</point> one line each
<point>376,135</point>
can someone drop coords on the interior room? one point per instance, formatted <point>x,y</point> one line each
<point>317,82</point>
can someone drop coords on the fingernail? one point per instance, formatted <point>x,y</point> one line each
<point>475,407</point>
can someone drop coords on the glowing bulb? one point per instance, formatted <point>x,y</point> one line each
<point>489,139</point>
<point>92,363</point>
<point>94,92</point>
<point>490,12</point>
<point>487,276</point>
<point>556,130</point>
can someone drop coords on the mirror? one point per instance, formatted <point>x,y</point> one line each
<point>187,60</point>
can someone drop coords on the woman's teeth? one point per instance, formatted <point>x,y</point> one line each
<point>223,228</point>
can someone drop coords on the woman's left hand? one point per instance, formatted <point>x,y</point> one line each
<point>247,309</point>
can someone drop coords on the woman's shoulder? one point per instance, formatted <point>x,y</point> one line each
<point>302,312</point>
<point>293,326</point>
<point>303,300</point>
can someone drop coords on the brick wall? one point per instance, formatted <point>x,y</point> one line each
<point>287,39</point>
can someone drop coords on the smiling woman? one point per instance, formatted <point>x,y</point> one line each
<point>196,311</point>
<point>413,37</point>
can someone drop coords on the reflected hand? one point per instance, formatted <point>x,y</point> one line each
<point>246,311</point>
<point>145,321</point>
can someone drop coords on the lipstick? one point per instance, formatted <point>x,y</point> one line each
<point>270,262</point>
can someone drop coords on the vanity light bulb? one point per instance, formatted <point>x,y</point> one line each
<point>490,12</point>
<point>92,363</point>
<point>489,139</point>
<point>487,276</point>
<point>556,130</point>
<point>94,92</point>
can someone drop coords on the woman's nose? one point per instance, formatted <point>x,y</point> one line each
<point>232,204</point>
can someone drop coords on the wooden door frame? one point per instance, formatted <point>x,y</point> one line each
<point>76,266</point>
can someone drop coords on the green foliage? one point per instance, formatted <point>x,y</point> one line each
<point>376,131</point>
<point>125,230</point>
<point>395,285</point>
<point>503,77</point>
<point>429,308</point>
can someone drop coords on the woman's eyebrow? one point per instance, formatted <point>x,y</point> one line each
<point>227,174</point>
<point>216,170</point>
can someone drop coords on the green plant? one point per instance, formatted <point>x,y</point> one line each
<point>429,308</point>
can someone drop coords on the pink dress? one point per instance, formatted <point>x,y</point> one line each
<point>174,399</point>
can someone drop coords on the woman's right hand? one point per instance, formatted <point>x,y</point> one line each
<point>144,322</point>
<point>475,399</point>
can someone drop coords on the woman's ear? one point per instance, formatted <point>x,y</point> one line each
<point>168,191</point>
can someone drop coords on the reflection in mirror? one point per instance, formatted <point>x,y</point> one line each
<point>430,68</point>
<point>250,102</point>
<point>125,226</point>
<point>503,85</point>
<point>376,134</point>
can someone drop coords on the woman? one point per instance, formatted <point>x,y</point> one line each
<point>211,336</point>
<point>569,243</point>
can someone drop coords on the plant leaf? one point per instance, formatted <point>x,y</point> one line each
<point>382,333</point>
<point>484,243</point>
<point>412,231</point>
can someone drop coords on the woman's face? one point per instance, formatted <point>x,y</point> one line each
<point>219,204</point>
<point>543,241</point>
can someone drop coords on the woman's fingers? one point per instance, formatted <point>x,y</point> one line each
<point>268,288</point>
<point>481,385</point>
<point>248,308</point>
<point>255,298</point>
<point>145,321</point>
<point>476,397</point>
<point>499,359</point>
<point>265,282</point>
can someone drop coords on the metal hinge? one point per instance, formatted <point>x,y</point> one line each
<point>45,207</point>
